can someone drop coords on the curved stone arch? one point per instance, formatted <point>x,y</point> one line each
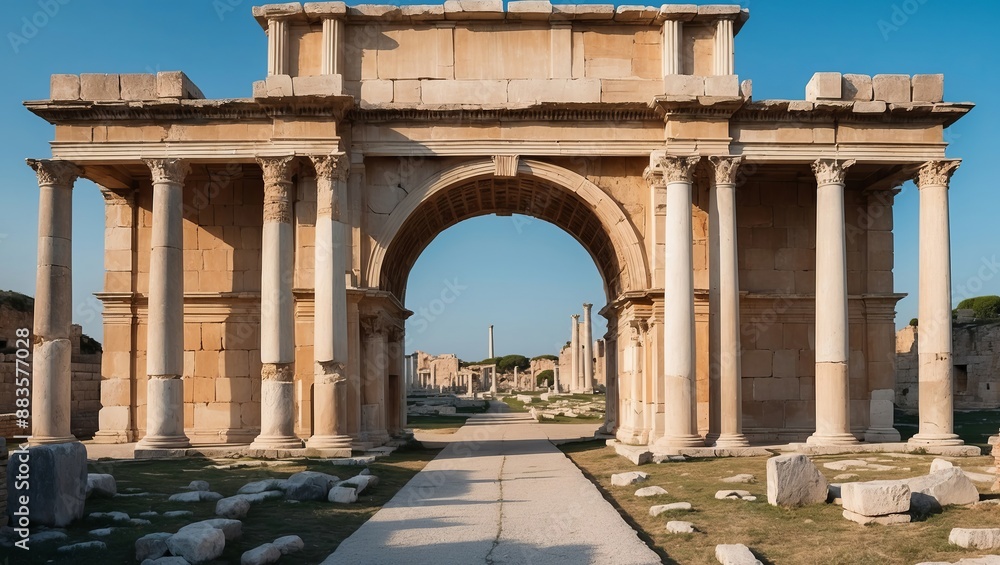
<point>624,239</point>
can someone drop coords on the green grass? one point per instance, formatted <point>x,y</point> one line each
<point>973,426</point>
<point>321,525</point>
<point>481,409</point>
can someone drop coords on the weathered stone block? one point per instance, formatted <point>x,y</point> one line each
<point>876,498</point>
<point>197,544</point>
<point>101,485</point>
<point>261,555</point>
<point>883,520</point>
<point>473,9</point>
<point>793,480</point>
<point>629,478</point>
<point>64,87</point>
<point>975,538</point>
<point>725,85</point>
<point>528,10</point>
<point>58,485</point>
<point>100,87</point>
<point>320,85</point>
<point>448,92</point>
<point>376,91</point>
<point>735,554</point>
<point>927,88</point>
<point>278,86</point>
<point>151,546</point>
<point>683,85</point>
<point>533,91</point>
<point>930,493</point>
<point>824,86</point>
<point>870,107</point>
<point>856,87</point>
<point>138,86</point>
<point>176,84</point>
<point>894,89</point>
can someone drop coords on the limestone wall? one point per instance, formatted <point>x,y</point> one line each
<point>976,361</point>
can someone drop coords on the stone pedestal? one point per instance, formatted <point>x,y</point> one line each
<point>57,485</point>
<point>880,417</point>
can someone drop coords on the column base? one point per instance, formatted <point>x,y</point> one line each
<point>328,442</point>
<point>730,440</point>
<point>832,439</point>
<point>882,435</point>
<point>276,442</point>
<point>45,440</point>
<point>163,442</point>
<point>114,437</point>
<point>936,439</point>
<point>681,441</point>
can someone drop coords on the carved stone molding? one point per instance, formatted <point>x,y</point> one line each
<point>277,170</point>
<point>330,169</point>
<point>831,171</point>
<point>654,177</point>
<point>168,170</point>
<point>277,188</point>
<point>678,169</point>
<point>505,166</point>
<point>334,167</point>
<point>329,372</point>
<point>55,173</point>
<point>726,168</point>
<point>937,173</point>
<point>374,326</point>
<point>118,197</point>
<point>280,372</point>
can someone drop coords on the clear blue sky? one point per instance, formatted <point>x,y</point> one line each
<point>525,278</point>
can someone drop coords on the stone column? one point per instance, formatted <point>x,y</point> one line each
<point>588,350</point>
<point>51,371</point>
<point>934,342</point>
<point>277,46</point>
<point>165,333</point>
<point>490,346</point>
<point>330,319</point>
<point>277,323</point>
<point>724,302</point>
<point>332,54</point>
<point>672,42</point>
<point>637,389</point>
<point>680,425</point>
<point>833,396</point>
<point>723,56</point>
<point>376,363</point>
<point>555,378</point>
<point>493,380</point>
<point>574,355</point>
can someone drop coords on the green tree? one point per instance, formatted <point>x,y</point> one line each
<point>546,356</point>
<point>508,362</point>
<point>545,377</point>
<point>984,307</point>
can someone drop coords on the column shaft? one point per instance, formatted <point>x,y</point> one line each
<point>373,386</point>
<point>724,299</point>
<point>331,57</point>
<point>51,385</point>
<point>165,334</point>
<point>934,340</point>
<point>574,354</point>
<point>588,350</point>
<point>723,53</point>
<point>277,47</point>
<point>277,324</point>
<point>833,410</point>
<point>672,32</point>
<point>680,427</point>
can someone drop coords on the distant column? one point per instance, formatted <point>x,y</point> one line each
<point>277,309</point>
<point>588,350</point>
<point>490,347</point>
<point>555,378</point>
<point>833,396</point>
<point>51,382</point>
<point>493,380</point>
<point>680,427</point>
<point>165,334</point>
<point>934,339</point>
<point>574,355</point>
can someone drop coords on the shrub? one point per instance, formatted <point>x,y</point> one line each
<point>508,362</point>
<point>546,356</point>
<point>546,376</point>
<point>913,322</point>
<point>984,307</point>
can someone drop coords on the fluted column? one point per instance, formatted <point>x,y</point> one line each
<point>724,302</point>
<point>637,394</point>
<point>277,324</point>
<point>374,329</point>
<point>332,51</point>
<point>330,321</point>
<point>672,42</point>
<point>277,46</point>
<point>680,426</point>
<point>723,59</point>
<point>51,376</point>
<point>555,378</point>
<point>833,395</point>
<point>574,354</point>
<point>165,333</point>
<point>934,342</point>
<point>588,350</point>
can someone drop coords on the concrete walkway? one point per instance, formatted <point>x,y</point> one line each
<point>499,493</point>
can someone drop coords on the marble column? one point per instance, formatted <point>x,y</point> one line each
<point>833,395</point>
<point>165,333</point>
<point>330,318</point>
<point>493,380</point>
<point>724,302</point>
<point>935,378</point>
<point>574,354</point>
<point>637,393</point>
<point>555,378</point>
<point>277,46</point>
<point>468,384</point>
<point>680,426</point>
<point>490,345</point>
<point>588,350</point>
<point>277,317</point>
<point>331,58</point>
<point>723,56</point>
<point>672,45</point>
<point>373,397</point>
<point>52,352</point>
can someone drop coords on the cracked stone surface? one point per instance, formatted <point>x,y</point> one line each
<point>500,493</point>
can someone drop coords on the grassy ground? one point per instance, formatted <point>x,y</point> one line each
<point>321,525</point>
<point>814,534</point>
<point>536,402</point>
<point>437,424</point>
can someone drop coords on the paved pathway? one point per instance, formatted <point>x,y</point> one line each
<point>500,493</point>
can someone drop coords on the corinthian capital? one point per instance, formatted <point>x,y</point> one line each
<point>168,170</point>
<point>277,170</point>
<point>831,171</point>
<point>55,173</point>
<point>725,168</point>
<point>333,167</point>
<point>937,173</point>
<point>678,169</point>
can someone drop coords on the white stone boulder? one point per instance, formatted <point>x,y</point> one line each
<point>745,478</point>
<point>261,555</point>
<point>309,485</point>
<point>233,507</point>
<point>342,495</point>
<point>735,554</point>
<point>232,529</point>
<point>83,546</point>
<point>101,485</point>
<point>167,560</point>
<point>793,480</point>
<point>198,485</point>
<point>177,513</point>
<point>886,520</point>
<point>58,486</point>
<point>845,464</point>
<point>930,493</point>
<point>195,496</point>
<point>151,546</point>
<point>197,544</point>
<point>876,498</point>
<point>735,495</point>
<point>939,464</point>
<point>680,527</point>
<point>289,544</point>
<point>101,532</point>
<point>975,538</point>
<point>672,507</point>
<point>629,478</point>
<point>650,491</point>
<point>261,486</point>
